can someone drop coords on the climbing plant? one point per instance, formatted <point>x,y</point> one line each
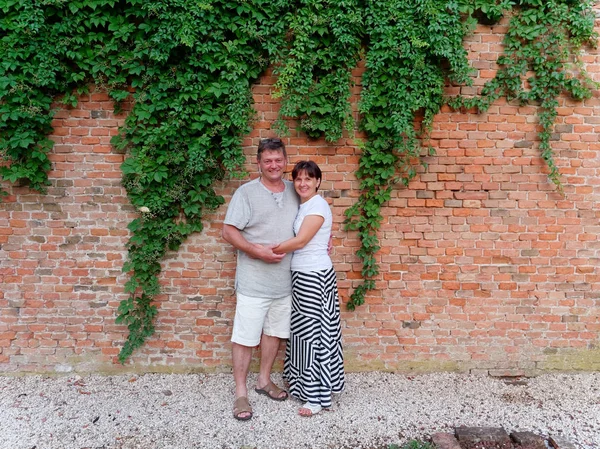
<point>314,69</point>
<point>184,132</point>
<point>414,47</point>
<point>185,70</point>
<point>544,37</point>
<point>540,62</point>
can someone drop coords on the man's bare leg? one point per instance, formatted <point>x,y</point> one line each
<point>241,356</point>
<point>269,346</point>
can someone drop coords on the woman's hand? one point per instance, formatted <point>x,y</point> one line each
<point>309,228</point>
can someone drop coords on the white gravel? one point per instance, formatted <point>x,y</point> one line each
<point>194,411</point>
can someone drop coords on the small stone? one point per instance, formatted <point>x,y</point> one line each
<point>445,441</point>
<point>559,442</point>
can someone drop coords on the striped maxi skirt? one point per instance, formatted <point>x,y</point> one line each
<point>314,363</point>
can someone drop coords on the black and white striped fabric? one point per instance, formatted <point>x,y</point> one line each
<point>314,363</point>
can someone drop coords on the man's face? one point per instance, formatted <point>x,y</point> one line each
<point>272,164</point>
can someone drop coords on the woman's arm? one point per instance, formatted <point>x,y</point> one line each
<point>310,225</point>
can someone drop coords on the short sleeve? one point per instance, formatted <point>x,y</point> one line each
<point>238,212</point>
<point>318,207</point>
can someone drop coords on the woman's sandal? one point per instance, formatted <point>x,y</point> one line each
<point>312,408</point>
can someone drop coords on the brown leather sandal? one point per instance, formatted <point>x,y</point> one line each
<point>272,391</point>
<point>240,407</point>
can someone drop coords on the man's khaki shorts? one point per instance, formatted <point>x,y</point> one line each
<point>255,316</point>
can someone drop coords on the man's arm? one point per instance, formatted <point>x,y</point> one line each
<point>234,237</point>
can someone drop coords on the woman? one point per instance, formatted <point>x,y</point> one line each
<point>314,365</point>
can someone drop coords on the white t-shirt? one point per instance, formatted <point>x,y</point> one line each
<point>314,257</point>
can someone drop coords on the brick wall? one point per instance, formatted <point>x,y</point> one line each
<point>484,267</point>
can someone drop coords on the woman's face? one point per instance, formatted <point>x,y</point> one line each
<point>305,186</point>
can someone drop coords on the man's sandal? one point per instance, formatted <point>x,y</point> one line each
<point>272,391</point>
<point>241,406</point>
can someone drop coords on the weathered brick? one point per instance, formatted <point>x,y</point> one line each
<point>471,437</point>
<point>528,440</point>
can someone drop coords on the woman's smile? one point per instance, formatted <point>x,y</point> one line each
<point>305,186</point>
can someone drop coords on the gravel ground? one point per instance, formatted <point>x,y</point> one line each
<point>194,411</point>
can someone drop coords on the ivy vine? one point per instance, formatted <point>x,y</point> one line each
<point>187,69</point>
<point>314,69</point>
<point>414,48</point>
<point>544,38</point>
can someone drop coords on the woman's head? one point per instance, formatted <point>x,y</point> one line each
<point>307,179</point>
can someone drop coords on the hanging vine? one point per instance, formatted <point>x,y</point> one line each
<point>414,48</point>
<point>187,69</point>
<point>544,38</point>
<point>314,69</point>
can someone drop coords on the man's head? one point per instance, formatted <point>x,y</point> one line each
<point>271,144</point>
<point>272,159</point>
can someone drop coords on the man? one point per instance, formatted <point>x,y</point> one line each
<point>260,215</point>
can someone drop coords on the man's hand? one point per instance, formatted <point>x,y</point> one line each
<point>232,235</point>
<point>266,254</point>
